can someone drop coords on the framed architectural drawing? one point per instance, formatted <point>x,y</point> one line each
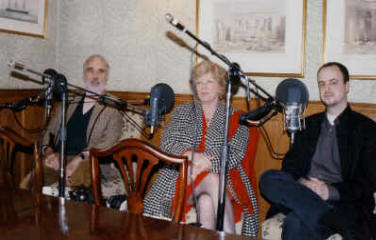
<point>349,35</point>
<point>265,37</point>
<point>27,17</point>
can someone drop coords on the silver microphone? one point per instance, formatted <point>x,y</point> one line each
<point>293,96</point>
<point>22,68</point>
<point>175,22</point>
<point>11,63</point>
<point>48,101</point>
<point>16,65</point>
<point>294,121</point>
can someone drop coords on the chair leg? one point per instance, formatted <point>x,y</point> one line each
<point>38,175</point>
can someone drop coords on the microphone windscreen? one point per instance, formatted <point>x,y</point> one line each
<point>165,96</point>
<point>292,90</point>
<point>50,71</point>
<point>60,83</point>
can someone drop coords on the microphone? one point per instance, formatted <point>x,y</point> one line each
<point>293,96</point>
<point>60,84</point>
<point>49,73</point>
<point>162,100</point>
<point>175,22</point>
<point>256,114</point>
<point>261,114</point>
<point>17,66</point>
<point>17,106</point>
<point>52,73</point>
<point>21,68</point>
<point>7,105</point>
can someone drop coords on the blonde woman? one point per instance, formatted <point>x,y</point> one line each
<point>196,130</point>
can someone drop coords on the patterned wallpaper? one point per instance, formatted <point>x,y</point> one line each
<point>132,36</point>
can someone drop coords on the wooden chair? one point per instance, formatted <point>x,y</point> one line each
<point>10,143</point>
<point>37,173</point>
<point>131,153</point>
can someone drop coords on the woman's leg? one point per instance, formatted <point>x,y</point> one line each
<point>207,211</point>
<point>207,192</point>
<point>229,221</point>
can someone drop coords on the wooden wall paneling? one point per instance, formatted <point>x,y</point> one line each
<point>31,117</point>
<point>366,109</point>
<point>264,159</point>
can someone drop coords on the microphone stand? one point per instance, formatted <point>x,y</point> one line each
<point>117,102</point>
<point>59,84</point>
<point>48,100</point>
<point>234,73</point>
<point>232,77</point>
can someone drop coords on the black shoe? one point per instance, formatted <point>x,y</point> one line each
<point>116,201</point>
<point>331,223</point>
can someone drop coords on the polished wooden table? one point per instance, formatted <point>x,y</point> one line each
<point>56,218</point>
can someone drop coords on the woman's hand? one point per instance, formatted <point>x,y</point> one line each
<point>199,164</point>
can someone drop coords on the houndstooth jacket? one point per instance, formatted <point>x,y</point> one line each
<point>183,133</point>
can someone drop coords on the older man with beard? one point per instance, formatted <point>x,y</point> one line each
<point>89,124</point>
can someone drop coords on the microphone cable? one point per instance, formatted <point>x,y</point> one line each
<point>135,124</point>
<point>124,114</point>
<point>264,132</point>
<point>275,155</point>
<point>36,129</point>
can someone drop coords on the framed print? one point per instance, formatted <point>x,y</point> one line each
<point>265,37</point>
<point>350,36</point>
<point>27,17</point>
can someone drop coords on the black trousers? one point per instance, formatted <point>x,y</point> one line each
<point>307,215</point>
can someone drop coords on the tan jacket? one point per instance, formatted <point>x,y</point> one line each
<point>104,129</point>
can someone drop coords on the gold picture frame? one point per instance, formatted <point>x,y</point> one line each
<point>349,36</point>
<point>25,17</point>
<point>265,37</point>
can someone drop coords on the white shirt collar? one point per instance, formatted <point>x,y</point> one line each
<point>331,118</point>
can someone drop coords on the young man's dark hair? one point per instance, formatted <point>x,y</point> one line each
<point>342,68</point>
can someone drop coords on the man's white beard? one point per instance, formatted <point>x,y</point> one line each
<point>97,89</point>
